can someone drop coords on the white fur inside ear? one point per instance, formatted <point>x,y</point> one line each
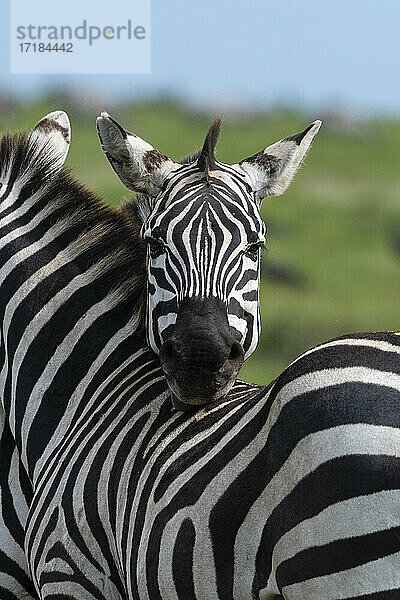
<point>271,171</point>
<point>140,166</point>
<point>52,137</point>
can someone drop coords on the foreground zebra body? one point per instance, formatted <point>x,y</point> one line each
<point>107,491</point>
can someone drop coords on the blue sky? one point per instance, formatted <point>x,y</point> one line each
<point>252,53</point>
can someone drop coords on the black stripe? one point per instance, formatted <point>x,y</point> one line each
<point>182,563</point>
<point>338,479</point>
<point>338,357</point>
<point>338,556</point>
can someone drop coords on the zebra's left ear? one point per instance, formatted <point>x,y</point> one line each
<point>271,171</point>
<point>141,167</point>
<point>51,138</point>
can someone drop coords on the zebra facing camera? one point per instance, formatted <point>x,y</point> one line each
<point>204,241</point>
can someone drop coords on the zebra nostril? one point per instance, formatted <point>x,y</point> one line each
<point>236,352</point>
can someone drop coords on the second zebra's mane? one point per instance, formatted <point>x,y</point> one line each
<point>108,235</point>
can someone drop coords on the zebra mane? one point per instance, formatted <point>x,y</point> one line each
<point>141,206</point>
<point>19,155</point>
<point>205,157</point>
<point>109,235</point>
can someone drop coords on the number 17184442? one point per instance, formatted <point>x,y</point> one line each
<point>42,47</point>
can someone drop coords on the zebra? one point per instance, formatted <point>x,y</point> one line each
<point>116,481</point>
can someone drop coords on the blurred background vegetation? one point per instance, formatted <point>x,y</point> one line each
<point>333,260</point>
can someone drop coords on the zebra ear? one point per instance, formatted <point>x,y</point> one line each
<point>51,137</point>
<point>271,171</point>
<point>139,166</point>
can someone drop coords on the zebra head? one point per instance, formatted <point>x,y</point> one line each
<point>204,233</point>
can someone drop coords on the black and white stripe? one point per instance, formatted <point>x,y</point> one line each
<point>107,492</point>
<point>335,532</point>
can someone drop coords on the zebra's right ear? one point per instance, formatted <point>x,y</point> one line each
<point>141,167</point>
<point>51,138</point>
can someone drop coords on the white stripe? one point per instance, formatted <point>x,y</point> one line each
<point>16,189</point>
<point>329,377</point>
<point>19,211</point>
<point>376,576</point>
<point>312,451</point>
<point>362,342</point>
<point>350,518</point>
<point>14,483</point>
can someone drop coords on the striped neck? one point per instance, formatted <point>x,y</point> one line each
<point>72,274</point>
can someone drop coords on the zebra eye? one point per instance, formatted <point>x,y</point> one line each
<point>253,251</point>
<point>156,249</point>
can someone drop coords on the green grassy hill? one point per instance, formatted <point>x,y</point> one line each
<point>333,260</point>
